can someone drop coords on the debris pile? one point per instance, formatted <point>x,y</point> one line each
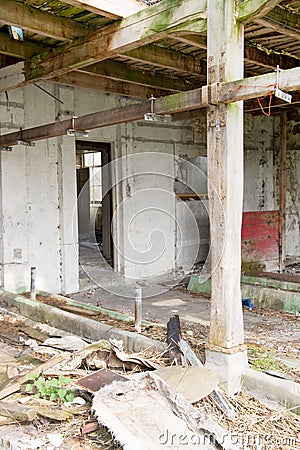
<point>59,391</point>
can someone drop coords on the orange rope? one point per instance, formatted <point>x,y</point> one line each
<point>266,113</point>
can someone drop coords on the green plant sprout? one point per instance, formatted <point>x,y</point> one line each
<point>265,361</point>
<point>52,389</point>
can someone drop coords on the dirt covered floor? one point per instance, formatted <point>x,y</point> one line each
<point>274,334</point>
<point>60,425</point>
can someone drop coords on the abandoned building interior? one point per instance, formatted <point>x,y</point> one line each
<point>145,142</point>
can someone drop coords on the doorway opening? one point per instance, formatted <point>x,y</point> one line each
<point>94,202</point>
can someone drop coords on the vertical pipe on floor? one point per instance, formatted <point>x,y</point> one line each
<point>138,310</point>
<point>32,283</point>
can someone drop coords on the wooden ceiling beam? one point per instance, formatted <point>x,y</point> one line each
<point>18,49</point>
<point>39,22</point>
<point>253,55</point>
<point>121,72</point>
<point>191,39</point>
<point>167,59</point>
<point>250,106</point>
<point>246,10</point>
<point>283,21</point>
<point>144,27</point>
<point>184,101</point>
<point>113,9</point>
<point>91,81</point>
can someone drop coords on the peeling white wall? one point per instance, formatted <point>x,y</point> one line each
<point>151,231</point>
<point>293,189</point>
<point>38,190</point>
<point>261,187</point>
<point>261,150</point>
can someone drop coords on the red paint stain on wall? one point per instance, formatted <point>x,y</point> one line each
<point>260,236</point>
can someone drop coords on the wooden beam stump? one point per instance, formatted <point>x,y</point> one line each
<point>173,340</point>
<point>225,352</point>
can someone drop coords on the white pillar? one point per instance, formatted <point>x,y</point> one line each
<point>225,352</point>
<point>67,200</point>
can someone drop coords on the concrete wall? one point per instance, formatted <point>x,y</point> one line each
<point>37,200</point>
<point>38,190</point>
<point>152,221</point>
<point>293,189</point>
<point>262,138</point>
<point>151,232</point>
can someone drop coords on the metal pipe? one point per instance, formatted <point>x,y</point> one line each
<point>32,283</point>
<point>138,310</point>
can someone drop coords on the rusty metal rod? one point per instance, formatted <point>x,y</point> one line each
<point>138,310</point>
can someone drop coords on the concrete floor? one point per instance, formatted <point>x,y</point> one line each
<point>271,329</point>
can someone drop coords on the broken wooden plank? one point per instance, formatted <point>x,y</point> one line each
<point>217,394</point>
<point>173,340</point>
<point>189,354</point>
<point>15,386</point>
<point>17,412</point>
<point>144,413</point>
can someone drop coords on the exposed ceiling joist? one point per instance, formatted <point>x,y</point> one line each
<point>142,28</point>
<point>39,22</point>
<point>191,39</point>
<point>167,59</point>
<point>282,21</point>
<point>113,9</point>
<point>183,101</point>
<point>252,55</point>
<point>247,9</point>
<point>259,57</point>
<point>91,81</point>
<point>23,50</point>
<point>120,72</point>
<point>96,77</point>
<point>149,54</point>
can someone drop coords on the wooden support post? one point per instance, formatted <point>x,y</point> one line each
<point>282,191</point>
<point>225,352</point>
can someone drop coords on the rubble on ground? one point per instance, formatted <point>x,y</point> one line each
<point>59,391</point>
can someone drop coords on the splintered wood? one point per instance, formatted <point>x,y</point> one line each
<point>145,414</point>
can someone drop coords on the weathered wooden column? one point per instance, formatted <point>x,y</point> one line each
<point>226,352</point>
<point>282,191</point>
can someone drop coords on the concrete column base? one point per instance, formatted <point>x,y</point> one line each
<point>228,367</point>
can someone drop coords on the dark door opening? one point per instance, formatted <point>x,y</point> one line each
<point>94,197</point>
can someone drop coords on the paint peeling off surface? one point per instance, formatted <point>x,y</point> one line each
<point>260,236</point>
